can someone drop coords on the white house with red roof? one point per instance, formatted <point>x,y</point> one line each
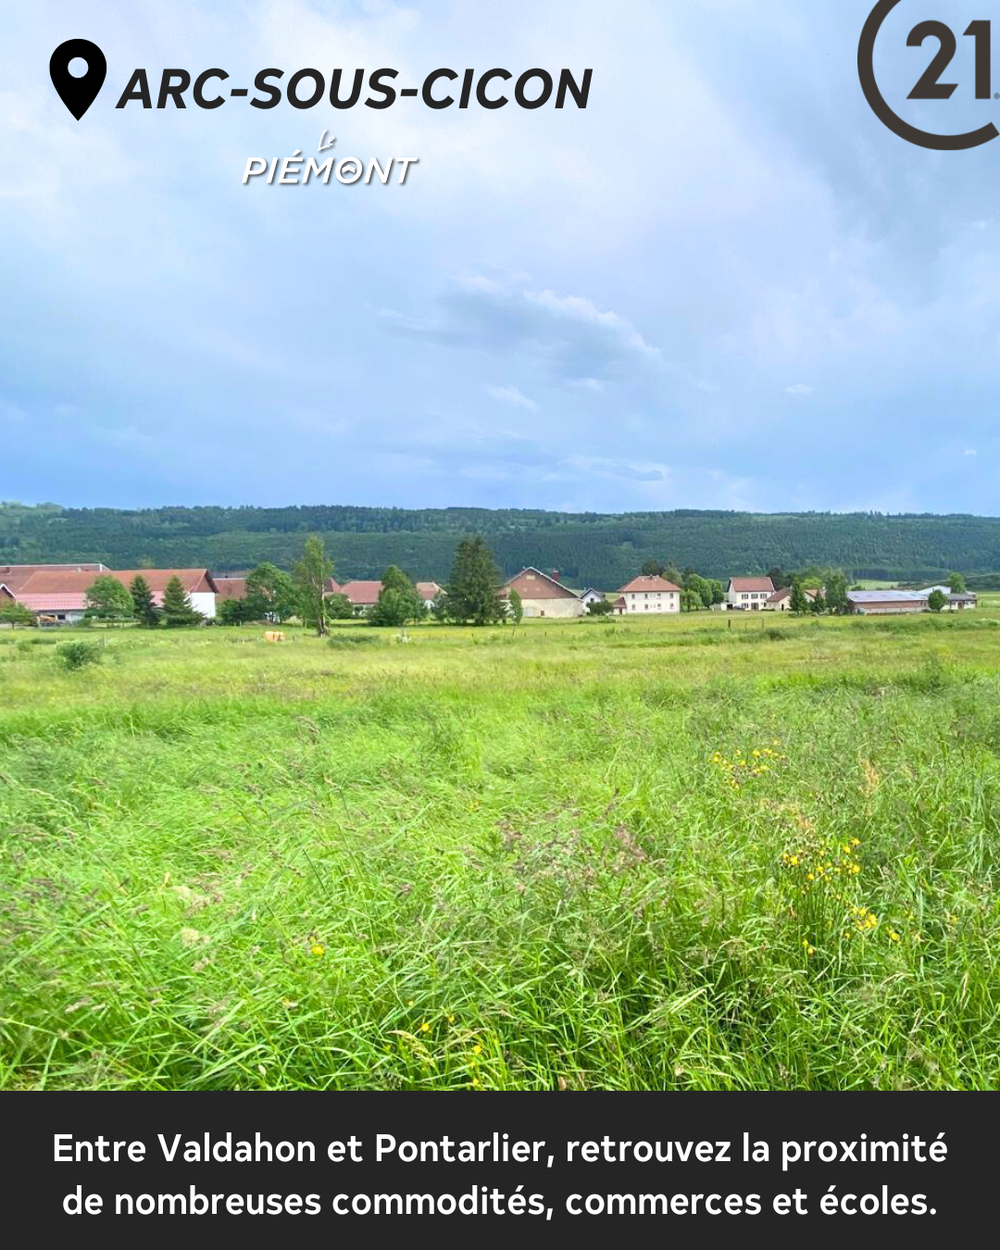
<point>57,594</point>
<point>749,593</point>
<point>781,600</point>
<point>649,594</point>
<point>363,595</point>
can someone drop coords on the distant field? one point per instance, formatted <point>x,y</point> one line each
<point>710,852</point>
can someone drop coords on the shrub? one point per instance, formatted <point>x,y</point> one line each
<point>351,640</point>
<point>73,655</point>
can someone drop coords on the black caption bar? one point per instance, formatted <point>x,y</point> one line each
<point>531,1164</point>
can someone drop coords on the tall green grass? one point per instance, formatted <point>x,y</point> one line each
<point>505,858</point>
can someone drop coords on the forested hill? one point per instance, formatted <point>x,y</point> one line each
<point>587,548</point>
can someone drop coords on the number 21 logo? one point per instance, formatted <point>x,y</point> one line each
<point>929,86</point>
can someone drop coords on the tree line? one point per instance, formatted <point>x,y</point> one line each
<point>593,548</point>
<point>472,594</point>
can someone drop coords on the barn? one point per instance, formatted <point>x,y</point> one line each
<point>542,595</point>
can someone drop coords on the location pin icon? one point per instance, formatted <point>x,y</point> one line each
<point>78,94</point>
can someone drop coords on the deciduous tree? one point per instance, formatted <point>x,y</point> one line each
<point>310,576</point>
<point>13,613</point>
<point>108,600</point>
<point>271,594</point>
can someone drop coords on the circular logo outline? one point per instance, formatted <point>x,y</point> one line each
<point>878,105</point>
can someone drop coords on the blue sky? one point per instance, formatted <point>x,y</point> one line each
<point>724,284</point>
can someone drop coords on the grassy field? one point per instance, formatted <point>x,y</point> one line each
<point>700,853</point>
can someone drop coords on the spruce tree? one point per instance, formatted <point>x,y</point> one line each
<point>144,609</point>
<point>177,609</point>
<point>799,602</point>
<point>475,579</point>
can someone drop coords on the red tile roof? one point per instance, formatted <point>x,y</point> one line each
<point>14,575</point>
<point>53,602</point>
<point>362,594</point>
<point>649,584</point>
<point>230,587</point>
<point>746,585</point>
<point>193,580</point>
<point>65,590</point>
<point>532,583</point>
<point>427,590</point>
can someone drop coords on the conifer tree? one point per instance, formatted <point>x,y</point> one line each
<point>144,609</point>
<point>475,578</point>
<point>177,608</point>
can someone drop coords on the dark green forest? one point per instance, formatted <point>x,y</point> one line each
<point>586,548</point>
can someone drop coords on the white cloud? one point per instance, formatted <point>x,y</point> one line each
<point>511,395</point>
<point>799,389</point>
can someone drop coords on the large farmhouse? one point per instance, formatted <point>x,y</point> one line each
<point>649,594</point>
<point>542,595</point>
<point>57,594</point>
<point>198,583</point>
<point>749,593</point>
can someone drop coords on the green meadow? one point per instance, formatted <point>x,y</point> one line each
<point>694,853</point>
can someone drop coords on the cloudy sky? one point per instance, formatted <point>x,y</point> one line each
<point>724,284</point>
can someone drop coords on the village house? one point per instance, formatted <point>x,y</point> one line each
<point>363,595</point>
<point>542,595</point>
<point>956,603</point>
<point>749,594</point>
<point>229,588</point>
<point>590,595</point>
<point>57,594</point>
<point>649,594</point>
<point>199,585</point>
<point>428,592</point>
<point>781,600</point>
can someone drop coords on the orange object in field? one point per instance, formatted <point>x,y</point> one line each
<point>274,636</point>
